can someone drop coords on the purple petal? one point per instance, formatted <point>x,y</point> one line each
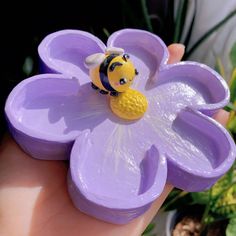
<point>199,79</point>
<point>113,189</point>
<point>204,154</point>
<point>47,112</point>
<point>181,86</point>
<point>65,51</point>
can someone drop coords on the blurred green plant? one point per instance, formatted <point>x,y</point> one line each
<point>207,34</point>
<point>231,107</point>
<point>178,22</point>
<point>219,202</point>
<point>231,126</point>
<point>28,66</point>
<point>149,230</point>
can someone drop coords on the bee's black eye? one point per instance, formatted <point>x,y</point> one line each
<point>123,81</point>
<point>136,72</point>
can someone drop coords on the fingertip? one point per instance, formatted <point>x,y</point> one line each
<point>176,51</point>
<point>222,117</point>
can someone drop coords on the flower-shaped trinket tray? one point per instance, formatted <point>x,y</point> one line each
<point>118,167</point>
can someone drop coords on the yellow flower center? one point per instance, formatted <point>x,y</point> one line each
<point>129,105</point>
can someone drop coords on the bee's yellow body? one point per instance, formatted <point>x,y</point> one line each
<point>95,77</point>
<point>114,73</point>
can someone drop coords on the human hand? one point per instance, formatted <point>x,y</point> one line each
<point>34,198</point>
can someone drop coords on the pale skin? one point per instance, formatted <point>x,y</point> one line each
<point>34,199</point>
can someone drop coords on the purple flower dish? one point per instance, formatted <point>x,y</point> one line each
<point>119,167</point>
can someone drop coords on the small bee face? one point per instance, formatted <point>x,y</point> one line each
<point>121,73</point>
<point>111,72</point>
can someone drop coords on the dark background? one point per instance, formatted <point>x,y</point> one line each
<point>25,24</point>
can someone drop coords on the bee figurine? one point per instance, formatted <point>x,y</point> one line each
<point>111,73</point>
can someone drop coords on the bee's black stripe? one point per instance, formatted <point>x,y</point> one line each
<point>103,73</point>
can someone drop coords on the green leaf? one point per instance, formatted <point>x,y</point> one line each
<point>179,200</point>
<point>233,55</point>
<point>232,85</point>
<point>219,67</point>
<point>190,29</point>
<point>225,204</point>
<point>180,19</point>
<point>130,16</point>
<point>28,66</point>
<point>227,211</point>
<point>209,33</point>
<point>231,106</point>
<point>222,185</point>
<point>105,31</point>
<point>146,15</point>
<point>200,197</point>
<point>232,122</point>
<point>149,229</point>
<point>231,228</point>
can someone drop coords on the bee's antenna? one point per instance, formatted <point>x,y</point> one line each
<point>125,57</point>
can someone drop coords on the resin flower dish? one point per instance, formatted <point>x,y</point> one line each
<point>123,146</point>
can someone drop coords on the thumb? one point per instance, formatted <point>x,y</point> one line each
<point>176,51</point>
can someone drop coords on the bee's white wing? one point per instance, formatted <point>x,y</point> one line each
<point>115,50</point>
<point>94,60</point>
